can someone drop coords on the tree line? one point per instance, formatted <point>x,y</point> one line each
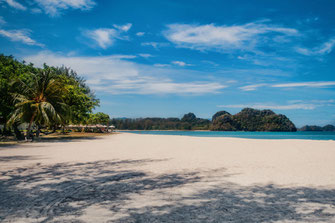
<point>247,120</point>
<point>188,122</point>
<point>47,97</point>
<point>326,128</point>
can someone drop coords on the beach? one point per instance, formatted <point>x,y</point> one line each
<point>128,177</point>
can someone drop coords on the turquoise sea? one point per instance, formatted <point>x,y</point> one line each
<point>247,135</point>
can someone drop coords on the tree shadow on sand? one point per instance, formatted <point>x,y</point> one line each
<point>55,139</point>
<point>233,203</point>
<point>64,192</point>
<point>14,158</point>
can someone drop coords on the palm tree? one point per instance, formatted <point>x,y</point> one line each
<point>41,100</point>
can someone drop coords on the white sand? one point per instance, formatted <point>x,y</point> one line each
<point>146,178</point>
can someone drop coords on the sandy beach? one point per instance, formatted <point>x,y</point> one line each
<point>149,178</point>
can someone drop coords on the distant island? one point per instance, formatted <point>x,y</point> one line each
<point>326,128</point>
<point>246,120</point>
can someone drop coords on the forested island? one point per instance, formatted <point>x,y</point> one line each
<point>246,120</point>
<point>310,128</point>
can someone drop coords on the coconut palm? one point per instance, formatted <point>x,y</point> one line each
<point>40,101</point>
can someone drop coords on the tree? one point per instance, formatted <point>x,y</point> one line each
<point>189,117</point>
<point>224,122</point>
<point>252,120</point>
<point>99,118</point>
<point>41,101</point>
<point>218,114</point>
<point>42,96</point>
<point>79,96</point>
<point>10,69</point>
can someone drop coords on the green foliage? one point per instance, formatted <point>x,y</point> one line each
<point>10,70</point>
<point>40,100</point>
<point>42,96</point>
<point>218,114</point>
<point>252,120</point>
<point>326,128</point>
<point>247,120</point>
<point>98,118</point>
<point>224,122</point>
<point>189,117</point>
<point>79,96</point>
<point>188,122</point>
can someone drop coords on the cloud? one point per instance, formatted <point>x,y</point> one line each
<point>161,65</point>
<point>54,7</point>
<point>105,37</point>
<point>145,55</point>
<point>251,87</point>
<point>236,37</point>
<point>140,33</point>
<point>306,84</point>
<point>325,48</point>
<point>319,84</point>
<point>36,10</point>
<point>155,45</point>
<point>180,63</point>
<point>124,28</point>
<point>291,105</point>
<point>16,5</point>
<point>19,35</point>
<point>116,75</point>
<point>150,86</point>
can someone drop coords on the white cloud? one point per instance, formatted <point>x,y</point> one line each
<point>161,65</point>
<point>124,28</point>
<point>105,37</point>
<point>140,33</point>
<point>145,55</point>
<point>54,7</point>
<point>306,84</point>
<point>155,45</point>
<point>19,35</point>
<point>254,87</point>
<point>16,5</point>
<point>236,37</point>
<point>251,87</point>
<point>325,48</point>
<point>116,75</point>
<point>149,86</point>
<point>36,10</point>
<point>291,105</point>
<point>180,63</point>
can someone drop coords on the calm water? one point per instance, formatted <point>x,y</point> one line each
<point>248,135</point>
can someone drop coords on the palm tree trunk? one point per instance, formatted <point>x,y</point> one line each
<point>17,132</point>
<point>29,126</point>
<point>38,131</point>
<point>6,130</point>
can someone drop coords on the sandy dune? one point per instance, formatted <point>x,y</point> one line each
<point>143,178</point>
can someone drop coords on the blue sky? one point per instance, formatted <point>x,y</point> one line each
<point>165,58</point>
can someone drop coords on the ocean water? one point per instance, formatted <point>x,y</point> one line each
<point>247,135</point>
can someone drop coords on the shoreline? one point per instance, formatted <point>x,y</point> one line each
<point>229,134</point>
